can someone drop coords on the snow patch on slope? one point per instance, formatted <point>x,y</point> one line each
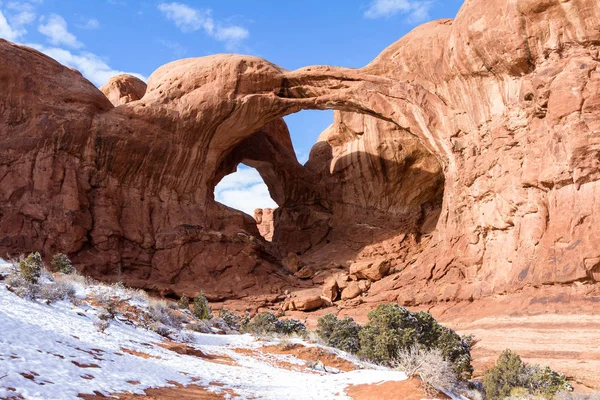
<point>56,352</point>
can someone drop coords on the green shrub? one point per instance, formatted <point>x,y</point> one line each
<point>201,308</point>
<point>262,323</point>
<point>61,263</point>
<point>267,323</point>
<point>339,333</point>
<point>290,327</point>
<point>232,320</point>
<point>30,267</point>
<point>511,375</point>
<point>392,328</point>
<point>183,303</point>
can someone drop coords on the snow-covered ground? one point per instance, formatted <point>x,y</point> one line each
<point>56,352</point>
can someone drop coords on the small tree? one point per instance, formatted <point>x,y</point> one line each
<point>201,308</point>
<point>511,375</point>
<point>392,328</point>
<point>61,263</point>
<point>30,267</point>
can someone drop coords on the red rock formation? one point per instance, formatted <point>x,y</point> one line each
<point>123,89</point>
<point>264,222</point>
<point>474,167</point>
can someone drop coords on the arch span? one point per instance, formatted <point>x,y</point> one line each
<point>128,188</point>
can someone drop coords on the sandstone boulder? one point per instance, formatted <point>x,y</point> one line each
<point>330,289</point>
<point>305,272</point>
<point>372,270</point>
<point>123,89</point>
<point>342,280</point>
<point>308,303</point>
<point>351,291</point>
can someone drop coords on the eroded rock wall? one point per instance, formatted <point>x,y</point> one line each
<point>500,107</point>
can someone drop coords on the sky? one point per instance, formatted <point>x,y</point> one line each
<point>102,38</point>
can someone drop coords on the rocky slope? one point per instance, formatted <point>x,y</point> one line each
<point>467,156</point>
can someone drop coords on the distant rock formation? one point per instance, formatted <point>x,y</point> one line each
<point>264,222</point>
<point>123,89</point>
<point>467,155</point>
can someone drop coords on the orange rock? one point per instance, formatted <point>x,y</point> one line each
<point>474,140</point>
<point>123,88</point>
<point>306,272</point>
<point>351,291</point>
<point>373,270</point>
<point>330,289</point>
<point>308,303</point>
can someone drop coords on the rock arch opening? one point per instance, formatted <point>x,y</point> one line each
<point>245,190</point>
<point>366,180</point>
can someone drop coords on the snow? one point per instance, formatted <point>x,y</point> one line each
<point>45,341</point>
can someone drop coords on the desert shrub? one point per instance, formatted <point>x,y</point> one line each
<point>511,375</point>
<point>430,366</point>
<point>61,263</point>
<point>267,323</point>
<point>183,303</point>
<point>108,303</point>
<point>262,323</point>
<point>339,333</point>
<point>234,321</point>
<point>161,313</point>
<point>159,328</point>
<point>101,325</point>
<point>201,308</point>
<point>21,287</point>
<point>290,327</point>
<point>200,326</point>
<point>392,328</point>
<point>30,267</point>
<point>46,289</point>
<point>54,291</point>
<point>138,295</point>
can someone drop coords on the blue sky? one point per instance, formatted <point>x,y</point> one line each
<point>104,37</point>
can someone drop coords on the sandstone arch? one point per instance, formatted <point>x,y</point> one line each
<point>505,97</point>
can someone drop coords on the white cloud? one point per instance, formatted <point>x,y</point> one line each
<point>24,13</point>
<point>90,65</point>
<point>416,11</point>
<point>189,19</point>
<point>8,32</point>
<point>231,33</point>
<point>186,18</point>
<point>14,19</point>
<point>56,30</point>
<point>176,48</point>
<point>90,24</point>
<point>244,190</point>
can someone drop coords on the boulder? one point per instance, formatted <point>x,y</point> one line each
<point>330,289</point>
<point>123,89</point>
<point>308,303</point>
<point>351,291</point>
<point>372,270</point>
<point>305,272</point>
<point>342,280</point>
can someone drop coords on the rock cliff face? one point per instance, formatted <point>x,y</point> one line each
<point>467,155</point>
